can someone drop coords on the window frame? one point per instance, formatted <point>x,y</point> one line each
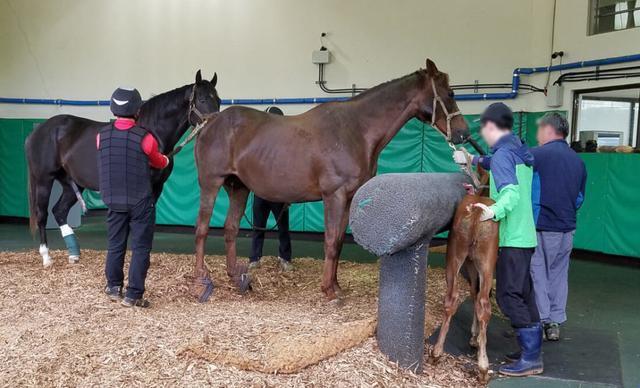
<point>575,134</point>
<point>594,17</point>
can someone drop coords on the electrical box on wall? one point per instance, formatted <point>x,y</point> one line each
<point>555,95</point>
<point>321,57</point>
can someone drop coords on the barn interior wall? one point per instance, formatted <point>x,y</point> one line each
<point>84,49</point>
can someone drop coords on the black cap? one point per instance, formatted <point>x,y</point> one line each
<point>125,102</point>
<point>275,110</point>
<point>498,113</point>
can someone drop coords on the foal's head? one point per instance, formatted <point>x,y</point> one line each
<point>203,98</point>
<point>438,110</point>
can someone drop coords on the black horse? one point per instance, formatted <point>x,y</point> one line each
<point>63,148</point>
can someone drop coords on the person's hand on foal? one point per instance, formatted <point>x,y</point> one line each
<point>487,212</point>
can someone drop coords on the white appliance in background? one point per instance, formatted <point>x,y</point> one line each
<point>603,138</point>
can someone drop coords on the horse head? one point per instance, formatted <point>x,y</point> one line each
<point>438,107</point>
<point>203,99</point>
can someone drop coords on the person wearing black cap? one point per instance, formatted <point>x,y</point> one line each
<point>261,210</point>
<point>511,171</point>
<point>126,154</point>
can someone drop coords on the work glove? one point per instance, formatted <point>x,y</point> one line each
<point>487,213</point>
<point>461,156</point>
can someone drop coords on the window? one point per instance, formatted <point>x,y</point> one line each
<point>613,15</point>
<point>607,115</point>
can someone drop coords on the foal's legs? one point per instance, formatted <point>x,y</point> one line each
<point>336,216</point>
<point>457,252</point>
<point>238,194</point>
<point>484,259</point>
<point>60,212</point>
<point>473,293</point>
<point>201,285</point>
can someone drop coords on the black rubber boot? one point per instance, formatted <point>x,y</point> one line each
<point>530,362</point>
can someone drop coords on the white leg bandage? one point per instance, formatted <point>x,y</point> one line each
<point>46,259</point>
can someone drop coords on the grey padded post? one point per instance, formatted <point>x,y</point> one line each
<point>395,216</point>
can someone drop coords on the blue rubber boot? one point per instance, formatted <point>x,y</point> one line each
<point>530,362</point>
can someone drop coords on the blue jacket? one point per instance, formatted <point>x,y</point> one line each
<point>559,182</point>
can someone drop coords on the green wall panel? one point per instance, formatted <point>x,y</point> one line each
<point>13,166</point>
<point>608,222</point>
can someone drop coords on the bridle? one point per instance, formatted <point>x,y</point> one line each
<point>196,127</point>
<point>193,108</point>
<point>467,166</point>
<point>449,116</point>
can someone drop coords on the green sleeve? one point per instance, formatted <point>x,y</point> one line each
<point>506,201</point>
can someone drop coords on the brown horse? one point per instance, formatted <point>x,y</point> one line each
<point>326,153</point>
<point>474,244</point>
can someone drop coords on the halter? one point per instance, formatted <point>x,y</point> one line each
<point>467,169</point>
<point>449,116</point>
<point>193,108</point>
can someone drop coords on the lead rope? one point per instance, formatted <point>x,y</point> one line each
<point>467,168</point>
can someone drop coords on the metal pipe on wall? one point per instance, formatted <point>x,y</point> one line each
<point>515,84</point>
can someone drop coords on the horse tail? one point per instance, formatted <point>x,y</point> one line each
<point>31,190</point>
<point>475,223</point>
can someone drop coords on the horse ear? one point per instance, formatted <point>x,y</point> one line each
<point>198,77</point>
<point>214,80</point>
<point>432,70</point>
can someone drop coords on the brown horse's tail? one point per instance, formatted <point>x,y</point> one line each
<point>475,223</point>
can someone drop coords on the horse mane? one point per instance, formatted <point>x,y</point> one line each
<point>157,106</point>
<point>418,74</point>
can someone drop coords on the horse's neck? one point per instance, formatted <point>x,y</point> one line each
<point>386,110</point>
<point>168,123</point>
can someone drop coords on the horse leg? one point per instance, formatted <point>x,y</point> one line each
<point>41,209</point>
<point>456,255</point>
<point>484,258</point>
<point>336,216</point>
<point>473,293</point>
<point>201,286</point>
<point>340,242</point>
<point>238,194</point>
<point>60,212</point>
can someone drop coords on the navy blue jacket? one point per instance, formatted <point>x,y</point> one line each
<point>559,181</point>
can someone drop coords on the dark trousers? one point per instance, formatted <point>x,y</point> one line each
<point>261,209</point>
<point>139,222</point>
<point>514,286</point>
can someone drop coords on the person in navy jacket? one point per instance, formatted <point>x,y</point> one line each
<point>558,192</point>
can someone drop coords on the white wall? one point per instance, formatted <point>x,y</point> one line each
<point>83,49</point>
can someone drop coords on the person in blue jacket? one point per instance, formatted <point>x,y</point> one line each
<point>558,191</point>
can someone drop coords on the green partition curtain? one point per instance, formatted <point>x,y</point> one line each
<point>606,222</point>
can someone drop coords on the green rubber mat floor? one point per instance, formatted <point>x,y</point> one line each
<point>603,331</point>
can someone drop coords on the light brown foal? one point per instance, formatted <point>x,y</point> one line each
<point>473,244</point>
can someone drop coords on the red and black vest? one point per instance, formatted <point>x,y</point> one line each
<point>125,175</point>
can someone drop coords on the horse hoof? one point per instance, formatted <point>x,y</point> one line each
<point>201,288</point>
<point>433,360</point>
<point>47,263</point>
<point>483,376</point>
<point>337,302</point>
<point>74,259</point>
<point>243,282</point>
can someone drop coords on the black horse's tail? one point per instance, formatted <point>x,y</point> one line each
<point>33,222</point>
